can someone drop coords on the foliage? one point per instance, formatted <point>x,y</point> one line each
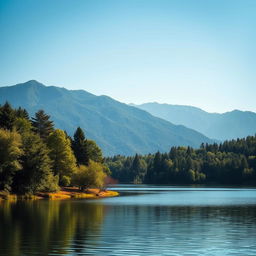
<point>80,148</point>
<point>94,151</point>
<point>21,113</point>
<point>85,149</point>
<point>231,162</point>
<point>34,157</point>
<point>10,152</point>
<point>61,154</point>
<point>36,174</point>
<point>42,124</point>
<point>7,116</point>
<point>92,175</point>
<point>22,125</point>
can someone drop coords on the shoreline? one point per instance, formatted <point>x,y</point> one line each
<point>63,194</point>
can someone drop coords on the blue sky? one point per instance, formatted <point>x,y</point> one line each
<point>191,52</point>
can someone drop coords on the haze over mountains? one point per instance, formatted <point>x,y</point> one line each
<point>117,128</point>
<point>226,126</point>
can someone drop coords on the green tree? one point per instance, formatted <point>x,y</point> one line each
<point>42,124</point>
<point>7,116</point>
<point>94,151</point>
<point>80,148</point>
<point>92,175</point>
<point>36,174</point>
<point>22,113</point>
<point>22,125</point>
<point>10,153</point>
<point>62,156</point>
<point>138,169</point>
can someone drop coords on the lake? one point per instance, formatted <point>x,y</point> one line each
<point>144,220</point>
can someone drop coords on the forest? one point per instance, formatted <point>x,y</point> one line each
<point>231,162</point>
<point>36,157</point>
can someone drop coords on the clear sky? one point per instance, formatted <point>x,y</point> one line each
<point>191,52</point>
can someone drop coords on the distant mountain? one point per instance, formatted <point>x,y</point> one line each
<point>230,125</point>
<point>118,128</point>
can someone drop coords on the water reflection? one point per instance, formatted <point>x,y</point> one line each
<point>125,226</point>
<point>43,227</point>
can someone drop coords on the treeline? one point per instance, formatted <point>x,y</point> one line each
<point>231,162</point>
<point>35,157</point>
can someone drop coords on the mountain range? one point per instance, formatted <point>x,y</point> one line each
<point>117,127</point>
<point>226,126</point>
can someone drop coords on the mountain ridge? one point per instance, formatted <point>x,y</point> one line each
<point>115,126</point>
<point>221,126</point>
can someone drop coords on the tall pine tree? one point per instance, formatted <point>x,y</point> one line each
<point>80,148</point>
<point>42,124</point>
<point>7,116</point>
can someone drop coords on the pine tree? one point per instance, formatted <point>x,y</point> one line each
<point>21,113</point>
<point>136,165</point>
<point>80,148</point>
<point>7,116</point>
<point>138,169</point>
<point>42,124</point>
<point>94,152</point>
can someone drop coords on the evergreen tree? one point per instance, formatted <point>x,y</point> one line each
<point>138,169</point>
<point>7,116</point>
<point>42,124</point>
<point>232,162</point>
<point>94,152</point>
<point>80,148</point>
<point>22,113</point>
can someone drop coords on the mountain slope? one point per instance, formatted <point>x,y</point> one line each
<point>116,127</point>
<point>230,125</point>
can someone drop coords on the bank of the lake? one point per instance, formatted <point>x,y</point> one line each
<point>62,194</point>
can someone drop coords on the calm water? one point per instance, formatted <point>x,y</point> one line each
<point>145,220</point>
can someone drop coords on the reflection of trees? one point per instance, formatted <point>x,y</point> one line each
<point>47,226</point>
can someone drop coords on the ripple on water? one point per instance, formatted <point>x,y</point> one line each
<point>164,221</point>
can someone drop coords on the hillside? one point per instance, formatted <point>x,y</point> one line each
<point>226,126</point>
<point>117,128</point>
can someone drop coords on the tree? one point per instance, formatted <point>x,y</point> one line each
<point>22,113</point>
<point>36,174</point>
<point>79,147</point>
<point>42,124</point>
<point>10,153</point>
<point>138,169</point>
<point>7,116</point>
<point>89,176</point>
<point>94,152</point>
<point>22,125</point>
<point>62,156</point>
